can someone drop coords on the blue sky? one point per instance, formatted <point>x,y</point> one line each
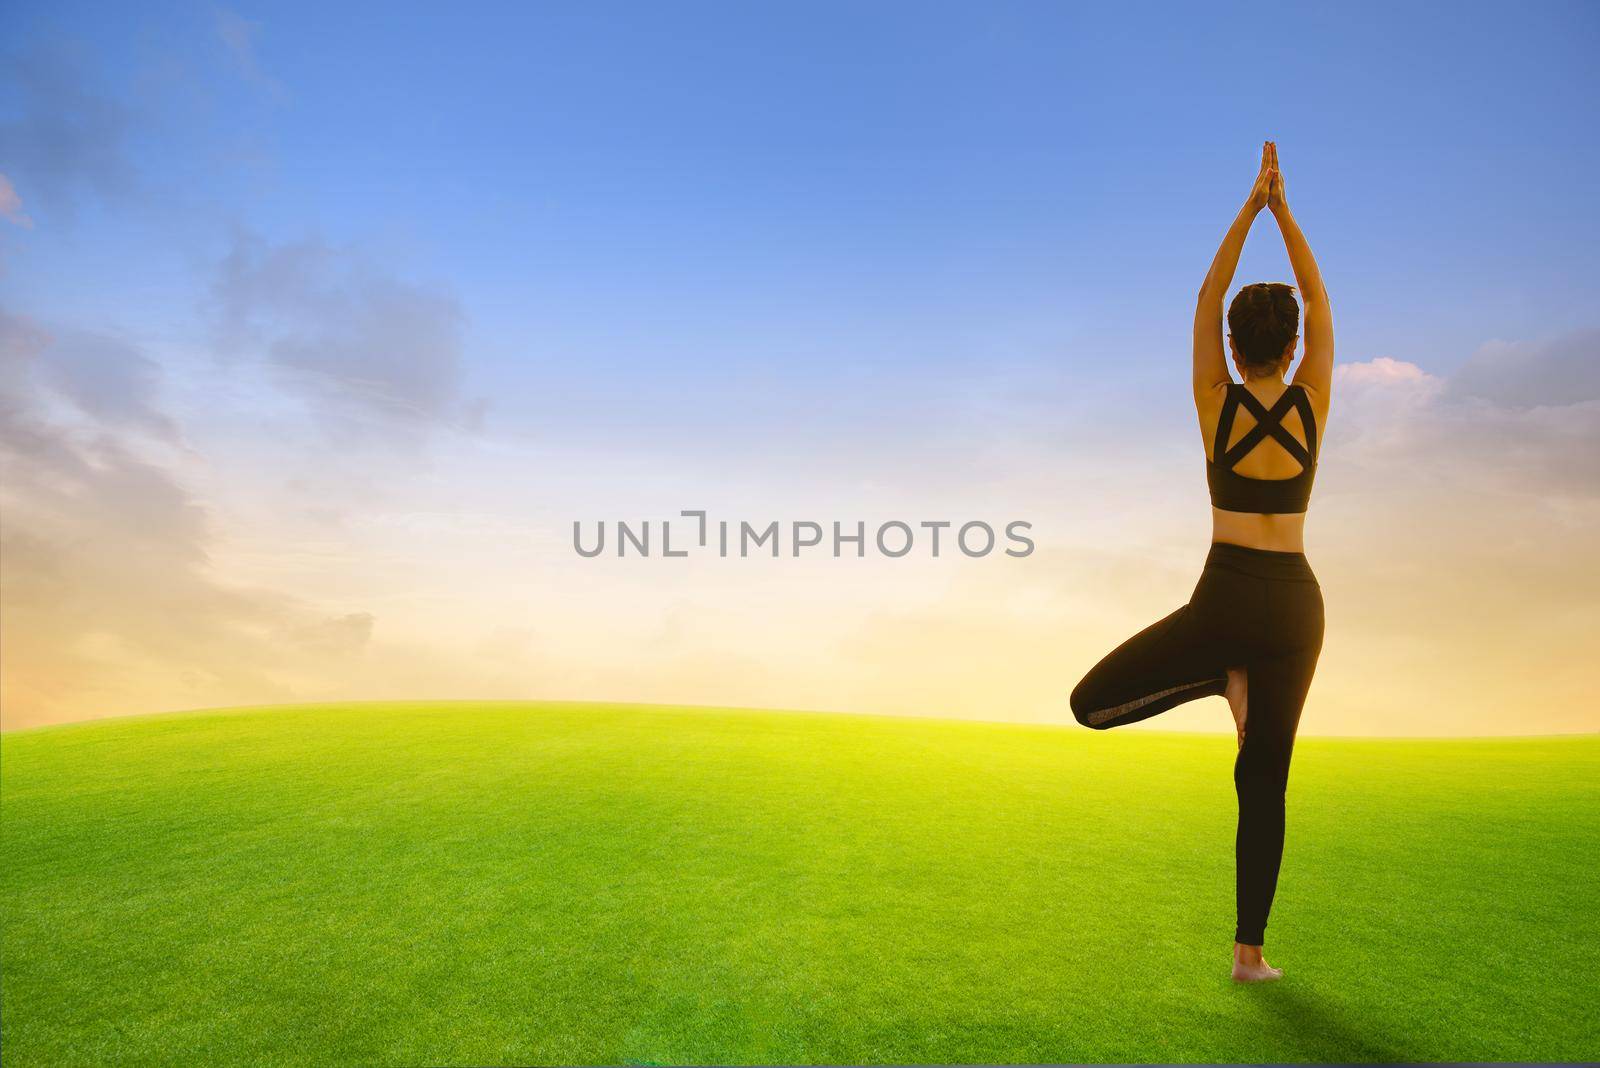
<point>326,268</point>
<point>635,186</point>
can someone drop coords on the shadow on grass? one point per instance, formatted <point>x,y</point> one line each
<point>1318,1029</point>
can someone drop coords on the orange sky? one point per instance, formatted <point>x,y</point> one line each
<point>170,568</point>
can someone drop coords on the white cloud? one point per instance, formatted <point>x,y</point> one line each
<point>1518,419</point>
<point>1382,370</point>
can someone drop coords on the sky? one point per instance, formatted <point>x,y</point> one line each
<point>322,325</point>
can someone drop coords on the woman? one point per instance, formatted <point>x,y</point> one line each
<point>1252,630</point>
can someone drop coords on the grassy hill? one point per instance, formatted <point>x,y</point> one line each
<point>510,883</point>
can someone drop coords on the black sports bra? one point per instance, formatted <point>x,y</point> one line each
<point>1234,492</point>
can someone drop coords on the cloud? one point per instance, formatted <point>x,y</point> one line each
<point>1517,419</point>
<point>238,36</point>
<point>1383,370</point>
<point>1525,374</point>
<point>110,601</point>
<point>372,354</point>
<point>11,205</point>
<point>68,142</point>
<point>104,377</point>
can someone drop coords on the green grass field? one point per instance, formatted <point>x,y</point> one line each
<point>493,883</point>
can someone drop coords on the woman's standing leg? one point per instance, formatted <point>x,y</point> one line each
<point>1278,679</point>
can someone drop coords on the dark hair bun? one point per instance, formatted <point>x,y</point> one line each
<point>1263,319</point>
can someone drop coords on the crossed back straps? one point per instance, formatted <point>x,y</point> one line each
<point>1269,422</point>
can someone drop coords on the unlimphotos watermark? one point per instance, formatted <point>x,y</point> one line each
<point>725,538</point>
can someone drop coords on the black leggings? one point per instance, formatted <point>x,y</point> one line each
<point>1252,609</point>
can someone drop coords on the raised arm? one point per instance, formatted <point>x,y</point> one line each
<point>1210,366</point>
<point>1316,367</point>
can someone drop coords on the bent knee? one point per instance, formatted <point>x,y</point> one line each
<point>1090,708</point>
<point>1081,704</point>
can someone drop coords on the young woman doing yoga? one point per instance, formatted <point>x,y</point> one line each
<point>1252,629</point>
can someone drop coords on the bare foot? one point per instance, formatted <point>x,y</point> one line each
<point>1238,694</point>
<point>1249,966</point>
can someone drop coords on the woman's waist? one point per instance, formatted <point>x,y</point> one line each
<point>1275,564</point>
<point>1282,532</point>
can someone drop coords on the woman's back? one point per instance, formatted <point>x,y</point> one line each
<point>1261,441</point>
